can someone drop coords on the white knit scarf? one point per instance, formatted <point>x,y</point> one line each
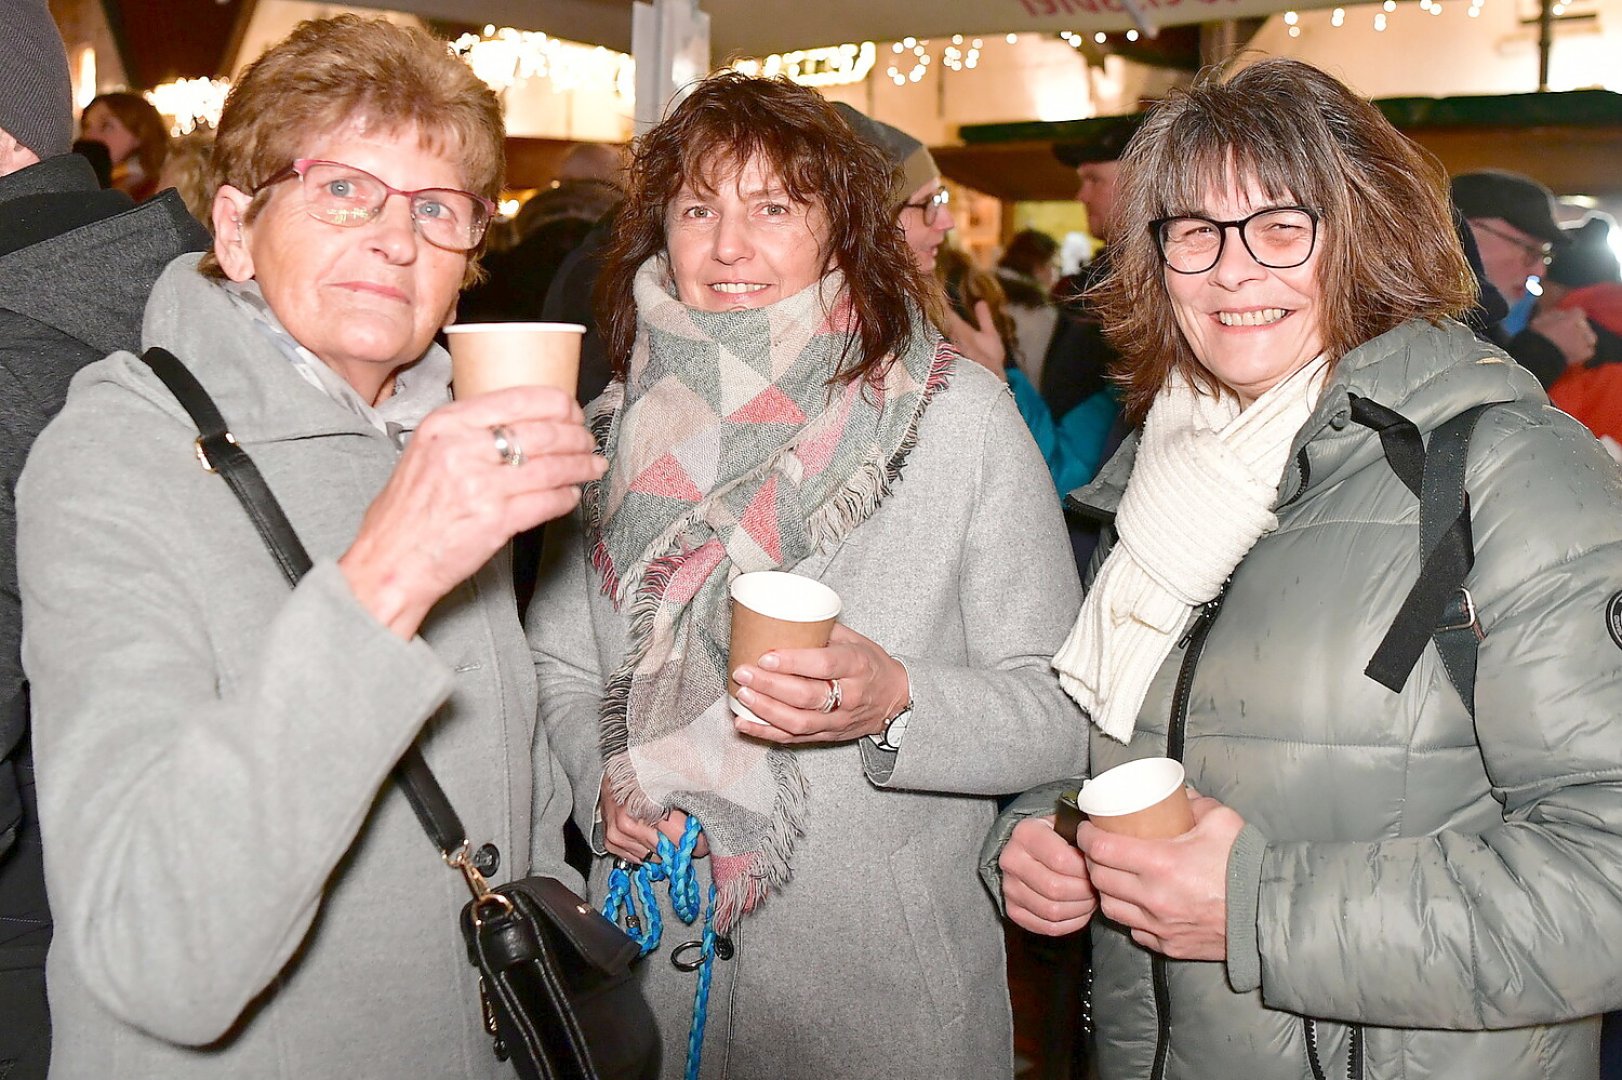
<point>1201,494</point>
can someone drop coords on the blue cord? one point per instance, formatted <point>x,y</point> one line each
<point>676,866</point>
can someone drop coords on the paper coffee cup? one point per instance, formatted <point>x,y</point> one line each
<point>775,610</point>
<point>1143,798</point>
<point>494,356</point>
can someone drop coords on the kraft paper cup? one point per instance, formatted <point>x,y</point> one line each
<point>494,356</point>
<point>774,610</point>
<point>1143,798</point>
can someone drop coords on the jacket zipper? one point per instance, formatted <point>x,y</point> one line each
<point>1193,644</point>
<point>1354,1051</point>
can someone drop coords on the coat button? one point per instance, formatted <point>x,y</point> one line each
<point>487,860</point>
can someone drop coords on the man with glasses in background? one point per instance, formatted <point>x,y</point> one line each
<point>1511,217</point>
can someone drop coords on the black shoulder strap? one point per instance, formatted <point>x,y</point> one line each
<point>217,451</point>
<point>1438,607</point>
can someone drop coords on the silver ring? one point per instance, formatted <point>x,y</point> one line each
<point>835,696</point>
<point>507,445</point>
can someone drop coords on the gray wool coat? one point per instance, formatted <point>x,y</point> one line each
<point>240,891</point>
<point>882,956</point>
<point>1450,886</point>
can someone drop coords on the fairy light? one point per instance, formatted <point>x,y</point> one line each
<point>1291,18</point>
<point>1100,37</point>
<point>504,57</point>
<point>1131,35</point>
<point>1379,21</point>
<point>1338,18</point>
<point>835,65</point>
<point>193,103</point>
<point>1012,39</point>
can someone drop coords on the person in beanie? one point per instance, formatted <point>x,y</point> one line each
<point>1078,357</point>
<point>1071,443</point>
<point>76,264</point>
<point>1511,218</point>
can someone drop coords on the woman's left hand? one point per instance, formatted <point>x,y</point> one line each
<point>789,686</point>
<point>1172,894</point>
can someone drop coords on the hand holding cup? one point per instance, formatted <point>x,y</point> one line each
<point>797,675</point>
<point>474,474</point>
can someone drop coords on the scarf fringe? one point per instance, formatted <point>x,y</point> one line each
<point>736,893</point>
<point>614,738</point>
<point>873,480</point>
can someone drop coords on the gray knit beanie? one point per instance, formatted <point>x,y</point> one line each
<point>913,157</point>
<point>36,98</point>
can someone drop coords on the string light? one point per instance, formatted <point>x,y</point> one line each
<point>835,65</point>
<point>1338,18</point>
<point>1379,21</point>
<point>505,57</point>
<point>193,103</point>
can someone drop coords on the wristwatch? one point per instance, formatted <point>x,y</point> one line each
<point>894,729</point>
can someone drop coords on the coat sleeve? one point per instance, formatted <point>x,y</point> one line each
<point>998,722</point>
<point>193,813</point>
<point>1521,922</point>
<point>566,665</point>
<point>36,362</point>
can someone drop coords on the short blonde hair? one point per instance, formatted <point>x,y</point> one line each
<point>1389,248</point>
<point>331,72</point>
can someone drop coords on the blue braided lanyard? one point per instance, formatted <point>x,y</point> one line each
<point>625,889</point>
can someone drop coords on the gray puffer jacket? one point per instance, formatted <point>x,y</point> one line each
<point>1449,891</point>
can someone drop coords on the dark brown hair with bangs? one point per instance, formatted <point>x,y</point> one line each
<point>732,119</point>
<point>1388,251</point>
<point>329,73</point>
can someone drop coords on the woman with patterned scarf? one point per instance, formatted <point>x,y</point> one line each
<point>782,402</point>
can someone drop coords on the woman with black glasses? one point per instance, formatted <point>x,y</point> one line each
<point>1407,852</point>
<point>240,890</point>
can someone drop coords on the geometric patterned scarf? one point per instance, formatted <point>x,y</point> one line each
<point>729,451</point>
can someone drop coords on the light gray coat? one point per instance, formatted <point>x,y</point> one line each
<point>1452,884</point>
<point>882,957</point>
<point>240,890</point>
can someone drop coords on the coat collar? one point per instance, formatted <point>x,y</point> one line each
<point>256,388</point>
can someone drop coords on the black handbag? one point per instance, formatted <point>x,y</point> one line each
<point>555,981</point>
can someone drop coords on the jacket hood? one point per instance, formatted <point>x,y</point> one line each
<point>87,280</point>
<point>1428,373</point>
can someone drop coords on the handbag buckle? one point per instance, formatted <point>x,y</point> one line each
<point>477,885</point>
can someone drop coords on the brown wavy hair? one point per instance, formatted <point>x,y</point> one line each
<point>330,72</point>
<point>728,121</point>
<point>1389,252</point>
<point>142,119</point>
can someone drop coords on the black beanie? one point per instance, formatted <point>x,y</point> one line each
<point>36,98</point>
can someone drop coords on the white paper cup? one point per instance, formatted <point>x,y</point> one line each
<point>775,610</point>
<point>494,356</point>
<point>1143,798</point>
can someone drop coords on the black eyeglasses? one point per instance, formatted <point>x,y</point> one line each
<point>343,195</point>
<point>932,206</point>
<point>1534,249</point>
<point>1277,238</point>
